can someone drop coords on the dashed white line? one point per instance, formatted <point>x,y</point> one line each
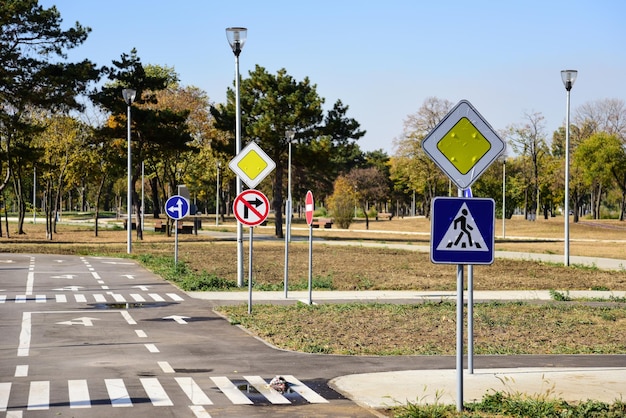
<point>24,346</point>
<point>21,370</point>
<point>165,366</point>
<point>152,348</point>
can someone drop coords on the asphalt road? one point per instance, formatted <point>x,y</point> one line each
<point>103,337</point>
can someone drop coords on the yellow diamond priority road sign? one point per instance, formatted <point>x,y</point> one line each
<point>463,144</point>
<point>252,165</point>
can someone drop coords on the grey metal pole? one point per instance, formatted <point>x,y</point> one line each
<point>566,250</point>
<point>129,192</point>
<point>503,198</point>
<point>238,184</point>
<point>470,319</point>
<point>287,223</point>
<point>310,264</point>
<point>250,273</point>
<point>459,337</point>
<point>217,197</point>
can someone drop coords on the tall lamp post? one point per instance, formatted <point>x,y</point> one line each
<point>568,77</point>
<point>236,38</point>
<point>217,195</point>
<point>129,98</point>
<point>289,134</point>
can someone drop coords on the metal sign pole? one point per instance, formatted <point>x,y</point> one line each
<point>250,273</point>
<point>310,264</point>
<point>470,319</point>
<point>459,336</point>
<point>176,242</point>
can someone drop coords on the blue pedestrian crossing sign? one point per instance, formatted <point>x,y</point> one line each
<point>462,230</point>
<point>177,207</point>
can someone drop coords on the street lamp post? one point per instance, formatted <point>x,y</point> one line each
<point>289,134</point>
<point>217,195</point>
<point>568,77</point>
<point>236,38</point>
<point>129,98</point>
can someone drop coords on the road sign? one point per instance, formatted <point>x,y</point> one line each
<point>309,207</point>
<point>462,231</point>
<point>251,207</point>
<point>252,165</point>
<point>463,144</point>
<point>177,207</point>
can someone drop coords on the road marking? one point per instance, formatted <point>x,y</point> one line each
<point>155,392</point>
<point>230,391</point>
<point>20,299</point>
<point>199,411</point>
<point>80,298</point>
<point>156,297</point>
<point>24,346</point>
<point>31,277</point>
<point>96,275</point>
<point>303,390</point>
<point>84,321</point>
<point>21,370</point>
<point>104,287</point>
<point>99,298</point>
<point>79,394</point>
<point>118,393</point>
<point>141,334</point>
<point>152,348</point>
<point>179,319</point>
<point>165,366</point>
<point>40,299</point>
<point>270,393</point>
<point>129,319</point>
<point>39,396</point>
<point>175,297</point>
<point>3,298</point>
<point>5,391</point>
<point>138,298</point>
<point>118,298</point>
<point>61,298</point>
<point>193,391</point>
<point>14,414</point>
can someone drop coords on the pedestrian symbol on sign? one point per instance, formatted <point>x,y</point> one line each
<point>463,234</point>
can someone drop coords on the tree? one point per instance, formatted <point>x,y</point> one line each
<point>158,133</point>
<point>370,185</point>
<point>271,105</point>
<point>342,202</point>
<point>34,77</point>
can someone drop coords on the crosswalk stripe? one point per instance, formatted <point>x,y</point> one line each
<point>78,393</point>
<point>152,348</point>
<point>5,391</point>
<point>39,396</point>
<point>118,298</point>
<point>303,390</point>
<point>137,297</point>
<point>165,366</point>
<point>21,370</point>
<point>60,298</point>
<point>199,411</point>
<point>156,297</point>
<point>80,298</point>
<point>20,299</point>
<point>40,299</point>
<point>155,392</point>
<point>99,298</point>
<point>175,297</point>
<point>270,393</point>
<point>14,414</point>
<point>3,298</point>
<point>230,391</point>
<point>118,393</point>
<point>193,391</point>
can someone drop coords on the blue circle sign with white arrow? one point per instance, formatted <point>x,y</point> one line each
<point>177,207</point>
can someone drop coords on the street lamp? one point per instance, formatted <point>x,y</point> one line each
<point>568,77</point>
<point>236,38</point>
<point>129,98</point>
<point>217,195</point>
<point>290,135</point>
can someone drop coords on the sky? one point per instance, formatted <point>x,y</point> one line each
<point>382,59</point>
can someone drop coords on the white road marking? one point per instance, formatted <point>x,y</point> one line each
<point>155,392</point>
<point>21,370</point>
<point>303,390</point>
<point>198,411</point>
<point>156,297</point>
<point>39,396</point>
<point>3,298</point>
<point>61,298</point>
<point>40,299</point>
<point>118,298</point>
<point>230,391</point>
<point>193,391</point>
<point>96,275</point>
<point>20,299</point>
<point>79,394</point>
<point>270,393</point>
<point>24,346</point>
<point>152,348</point>
<point>165,366</point>
<point>175,297</point>
<point>118,393</point>
<point>141,333</point>
<point>80,298</point>
<point>137,297</point>
<point>129,319</point>
<point>99,298</point>
<point>5,391</point>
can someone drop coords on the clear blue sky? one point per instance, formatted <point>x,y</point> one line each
<point>381,58</point>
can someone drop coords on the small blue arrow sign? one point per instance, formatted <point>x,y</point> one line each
<point>177,207</point>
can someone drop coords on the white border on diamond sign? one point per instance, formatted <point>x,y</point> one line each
<point>463,109</point>
<point>251,183</point>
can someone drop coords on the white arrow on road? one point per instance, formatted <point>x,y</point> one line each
<point>144,288</point>
<point>69,288</point>
<point>128,276</point>
<point>64,276</point>
<point>179,319</point>
<point>85,321</point>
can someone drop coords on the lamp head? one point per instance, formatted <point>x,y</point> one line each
<point>568,77</point>
<point>129,95</point>
<point>290,134</point>
<point>236,38</point>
